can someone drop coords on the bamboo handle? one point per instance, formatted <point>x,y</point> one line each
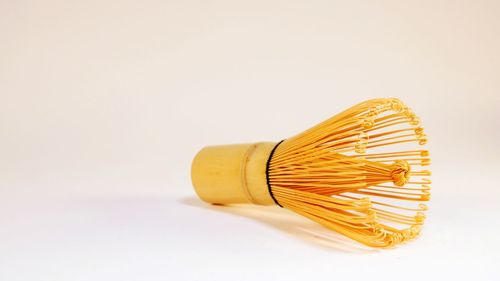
<point>232,173</point>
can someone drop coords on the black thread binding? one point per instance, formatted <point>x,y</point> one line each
<point>267,173</point>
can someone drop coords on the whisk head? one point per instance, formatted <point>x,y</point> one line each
<point>359,173</point>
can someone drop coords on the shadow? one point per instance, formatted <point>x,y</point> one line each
<point>299,227</point>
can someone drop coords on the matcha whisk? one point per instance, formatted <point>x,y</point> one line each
<point>358,173</point>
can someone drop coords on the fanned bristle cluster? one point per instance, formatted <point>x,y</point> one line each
<point>358,173</point>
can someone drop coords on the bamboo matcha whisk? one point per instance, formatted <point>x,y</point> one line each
<point>358,173</point>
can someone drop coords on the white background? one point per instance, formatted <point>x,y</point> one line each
<point>103,104</point>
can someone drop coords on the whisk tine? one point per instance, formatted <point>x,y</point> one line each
<point>335,158</point>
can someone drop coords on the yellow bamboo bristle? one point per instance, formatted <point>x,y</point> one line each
<point>357,172</point>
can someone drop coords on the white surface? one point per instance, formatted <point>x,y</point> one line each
<point>103,104</point>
